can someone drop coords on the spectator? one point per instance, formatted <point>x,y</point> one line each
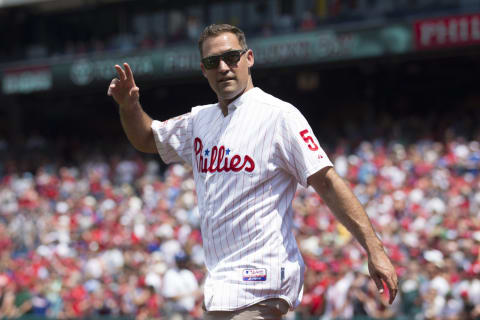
<point>180,288</point>
<point>148,30</point>
<point>77,241</point>
<point>308,22</point>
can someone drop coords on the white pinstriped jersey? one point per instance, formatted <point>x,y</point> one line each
<point>246,167</point>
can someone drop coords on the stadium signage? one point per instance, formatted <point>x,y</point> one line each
<point>84,71</point>
<point>447,32</point>
<point>282,51</point>
<point>184,61</point>
<point>27,80</point>
<point>300,49</point>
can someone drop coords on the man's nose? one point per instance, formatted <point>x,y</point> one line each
<point>223,66</point>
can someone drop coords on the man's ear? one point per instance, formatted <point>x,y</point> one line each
<point>204,71</point>
<point>250,58</point>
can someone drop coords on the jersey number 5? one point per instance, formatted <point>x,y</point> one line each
<point>309,140</point>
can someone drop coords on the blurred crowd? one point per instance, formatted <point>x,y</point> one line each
<point>133,25</point>
<point>107,237</point>
<point>119,236</point>
<point>424,198</point>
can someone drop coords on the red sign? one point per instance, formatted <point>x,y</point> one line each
<point>447,32</point>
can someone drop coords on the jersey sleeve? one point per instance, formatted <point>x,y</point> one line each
<point>300,154</point>
<point>173,138</point>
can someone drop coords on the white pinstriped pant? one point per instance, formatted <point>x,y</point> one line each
<point>271,309</point>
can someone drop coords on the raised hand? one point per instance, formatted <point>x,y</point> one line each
<point>123,89</point>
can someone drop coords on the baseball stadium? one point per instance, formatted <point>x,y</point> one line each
<point>92,228</point>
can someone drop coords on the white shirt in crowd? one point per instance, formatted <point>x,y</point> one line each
<point>183,283</point>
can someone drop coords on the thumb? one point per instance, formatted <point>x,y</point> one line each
<point>134,92</point>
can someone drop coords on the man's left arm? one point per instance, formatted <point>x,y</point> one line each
<point>348,210</point>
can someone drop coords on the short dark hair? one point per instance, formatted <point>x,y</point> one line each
<point>217,29</point>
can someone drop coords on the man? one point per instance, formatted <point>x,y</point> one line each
<point>248,152</point>
<point>180,288</point>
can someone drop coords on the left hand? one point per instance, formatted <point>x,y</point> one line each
<point>381,268</point>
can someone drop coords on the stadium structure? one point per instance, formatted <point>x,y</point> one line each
<point>380,81</point>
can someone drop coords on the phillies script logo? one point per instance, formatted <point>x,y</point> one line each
<point>217,159</point>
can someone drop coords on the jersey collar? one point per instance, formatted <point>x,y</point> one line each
<point>237,103</point>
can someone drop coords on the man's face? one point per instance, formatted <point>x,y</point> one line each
<point>227,80</point>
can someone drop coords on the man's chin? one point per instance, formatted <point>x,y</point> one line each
<point>229,93</point>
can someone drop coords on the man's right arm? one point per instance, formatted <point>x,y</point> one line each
<point>135,122</point>
<point>137,126</point>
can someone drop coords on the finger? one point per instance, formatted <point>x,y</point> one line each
<point>376,279</point>
<point>378,283</point>
<point>128,71</point>
<point>121,73</point>
<point>110,90</point>
<point>392,287</point>
<point>393,294</point>
<point>114,83</point>
<point>112,86</point>
<point>135,92</point>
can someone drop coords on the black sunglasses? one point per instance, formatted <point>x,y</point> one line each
<point>230,58</point>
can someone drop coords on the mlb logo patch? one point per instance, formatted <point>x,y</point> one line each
<point>254,274</point>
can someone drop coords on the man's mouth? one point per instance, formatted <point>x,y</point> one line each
<point>225,79</point>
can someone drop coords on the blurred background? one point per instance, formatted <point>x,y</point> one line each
<point>92,229</point>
